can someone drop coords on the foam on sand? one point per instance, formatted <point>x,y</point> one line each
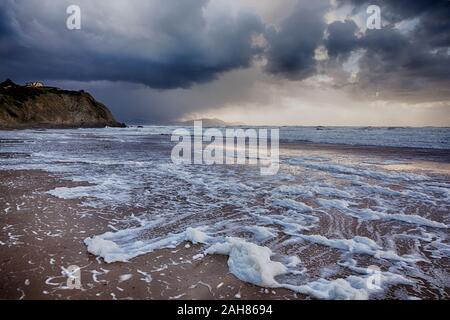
<point>252,263</point>
<point>249,262</point>
<point>292,204</point>
<point>350,288</point>
<point>261,233</point>
<point>106,249</point>
<point>195,235</point>
<point>359,245</point>
<point>369,214</point>
<point>124,245</point>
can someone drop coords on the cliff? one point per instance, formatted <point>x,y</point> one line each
<point>47,107</point>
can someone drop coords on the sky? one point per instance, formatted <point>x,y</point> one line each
<point>258,62</point>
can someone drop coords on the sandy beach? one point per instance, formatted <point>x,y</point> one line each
<point>42,234</point>
<point>332,212</point>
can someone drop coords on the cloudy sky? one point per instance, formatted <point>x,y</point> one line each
<point>284,62</point>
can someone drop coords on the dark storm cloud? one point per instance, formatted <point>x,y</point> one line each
<point>6,33</point>
<point>435,26</point>
<point>186,49</point>
<point>398,10</point>
<point>291,49</point>
<point>153,50</point>
<point>341,38</point>
<point>407,65</point>
<point>403,69</point>
<point>400,64</point>
<point>434,15</point>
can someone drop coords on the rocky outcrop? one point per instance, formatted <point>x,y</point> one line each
<point>47,107</point>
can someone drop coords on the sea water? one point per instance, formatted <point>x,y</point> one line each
<point>320,226</point>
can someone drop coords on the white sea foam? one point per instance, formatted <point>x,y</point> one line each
<point>310,191</point>
<point>292,204</point>
<point>334,203</point>
<point>107,249</point>
<point>125,277</point>
<point>249,262</point>
<point>369,214</point>
<point>261,232</point>
<point>350,288</point>
<point>359,245</point>
<point>125,244</point>
<point>358,171</point>
<point>195,235</point>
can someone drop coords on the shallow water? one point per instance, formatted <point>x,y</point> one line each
<point>321,226</point>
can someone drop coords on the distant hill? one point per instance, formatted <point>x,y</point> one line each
<point>206,122</point>
<point>47,107</point>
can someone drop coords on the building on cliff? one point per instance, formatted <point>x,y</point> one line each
<point>35,84</point>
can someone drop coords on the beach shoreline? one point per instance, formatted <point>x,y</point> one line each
<point>32,262</point>
<point>46,214</point>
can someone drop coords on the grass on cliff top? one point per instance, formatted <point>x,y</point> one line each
<point>16,95</point>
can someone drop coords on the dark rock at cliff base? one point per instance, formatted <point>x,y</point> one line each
<point>32,106</point>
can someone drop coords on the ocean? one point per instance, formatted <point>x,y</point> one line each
<point>353,213</point>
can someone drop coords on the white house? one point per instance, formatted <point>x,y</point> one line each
<point>35,84</point>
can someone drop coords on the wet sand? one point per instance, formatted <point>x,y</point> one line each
<point>43,234</point>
